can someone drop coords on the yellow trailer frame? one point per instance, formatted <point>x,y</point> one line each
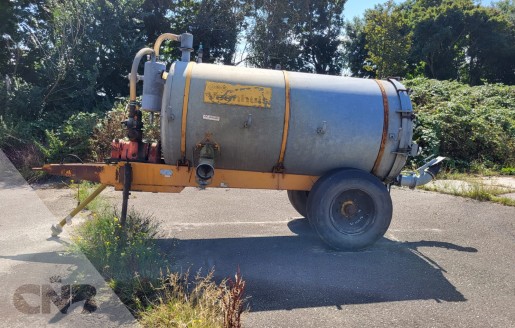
<point>171,178</point>
<point>137,176</point>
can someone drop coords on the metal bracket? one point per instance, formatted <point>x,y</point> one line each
<point>278,168</point>
<point>208,140</point>
<point>408,115</point>
<point>184,162</point>
<point>402,151</point>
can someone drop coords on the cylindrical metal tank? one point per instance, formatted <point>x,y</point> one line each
<point>309,123</point>
<point>153,86</point>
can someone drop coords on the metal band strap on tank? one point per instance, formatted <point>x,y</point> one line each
<point>185,101</point>
<point>384,136</point>
<point>279,168</point>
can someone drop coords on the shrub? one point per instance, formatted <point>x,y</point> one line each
<point>508,171</point>
<point>106,130</point>
<point>25,157</point>
<point>73,137</point>
<point>109,128</point>
<point>473,126</point>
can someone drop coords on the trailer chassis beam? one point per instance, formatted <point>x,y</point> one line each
<point>173,179</point>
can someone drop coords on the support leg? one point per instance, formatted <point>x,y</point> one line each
<point>127,179</point>
<point>58,228</point>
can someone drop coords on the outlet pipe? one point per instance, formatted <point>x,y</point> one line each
<point>423,174</point>
<point>205,169</point>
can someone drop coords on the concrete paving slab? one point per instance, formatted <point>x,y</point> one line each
<point>502,181</point>
<point>503,185</point>
<point>41,283</point>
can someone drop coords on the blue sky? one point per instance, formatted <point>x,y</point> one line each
<point>357,7</point>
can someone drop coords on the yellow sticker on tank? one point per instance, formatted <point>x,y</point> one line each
<point>237,95</point>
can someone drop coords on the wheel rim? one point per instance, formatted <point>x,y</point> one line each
<point>352,212</point>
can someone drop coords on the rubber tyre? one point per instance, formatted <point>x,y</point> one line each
<point>350,209</point>
<point>299,201</point>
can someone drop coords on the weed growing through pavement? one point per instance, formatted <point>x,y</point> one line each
<point>139,273</point>
<point>474,190</point>
<point>178,306</point>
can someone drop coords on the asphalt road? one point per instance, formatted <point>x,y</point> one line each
<point>445,261</point>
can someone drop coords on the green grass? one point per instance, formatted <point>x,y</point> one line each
<point>474,190</point>
<point>508,171</point>
<point>503,200</point>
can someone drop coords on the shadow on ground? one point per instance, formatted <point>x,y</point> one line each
<point>289,272</point>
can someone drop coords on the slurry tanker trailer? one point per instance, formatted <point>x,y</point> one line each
<point>336,144</point>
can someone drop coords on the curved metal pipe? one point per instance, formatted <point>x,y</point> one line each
<point>134,70</point>
<point>412,180</point>
<point>163,37</point>
<point>426,174</point>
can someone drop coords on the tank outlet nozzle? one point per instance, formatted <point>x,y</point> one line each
<point>205,171</point>
<point>206,165</point>
<point>423,175</point>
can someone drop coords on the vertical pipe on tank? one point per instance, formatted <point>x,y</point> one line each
<point>186,46</point>
<point>133,77</point>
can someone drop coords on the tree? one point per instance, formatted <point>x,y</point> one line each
<point>297,35</point>
<point>440,37</point>
<point>388,40</point>
<point>69,56</point>
<point>155,15</point>
<point>490,47</point>
<point>507,8</point>
<point>7,30</point>
<point>319,33</point>
<point>355,51</point>
<point>272,39</point>
<point>217,25</point>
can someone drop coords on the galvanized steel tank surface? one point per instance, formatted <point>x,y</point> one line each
<point>334,121</point>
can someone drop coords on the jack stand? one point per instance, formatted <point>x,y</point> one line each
<point>127,179</point>
<point>58,228</point>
